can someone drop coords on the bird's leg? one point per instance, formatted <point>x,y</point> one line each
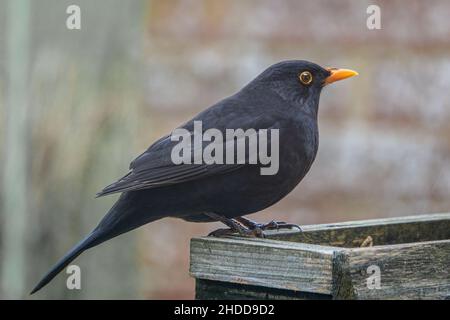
<point>234,227</point>
<point>272,225</point>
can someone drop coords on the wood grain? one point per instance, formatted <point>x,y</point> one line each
<point>261,262</point>
<point>407,271</point>
<point>412,255</point>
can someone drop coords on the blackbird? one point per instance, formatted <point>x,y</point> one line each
<point>284,97</point>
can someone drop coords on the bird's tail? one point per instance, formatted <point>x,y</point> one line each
<point>91,240</point>
<point>121,218</point>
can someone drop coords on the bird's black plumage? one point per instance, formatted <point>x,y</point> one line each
<point>156,188</point>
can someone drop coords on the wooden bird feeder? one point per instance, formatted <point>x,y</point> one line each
<point>395,258</point>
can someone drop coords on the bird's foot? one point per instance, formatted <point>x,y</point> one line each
<point>244,232</point>
<point>248,228</point>
<point>221,232</point>
<point>272,225</point>
<point>234,227</point>
<point>277,225</point>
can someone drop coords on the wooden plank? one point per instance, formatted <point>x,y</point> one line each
<point>429,227</point>
<point>263,262</point>
<point>217,290</point>
<point>407,271</point>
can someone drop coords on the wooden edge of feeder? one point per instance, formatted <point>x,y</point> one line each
<point>263,262</point>
<point>429,227</point>
<point>378,222</point>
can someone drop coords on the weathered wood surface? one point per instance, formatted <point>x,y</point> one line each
<point>412,254</point>
<point>262,262</point>
<point>409,229</point>
<point>407,271</point>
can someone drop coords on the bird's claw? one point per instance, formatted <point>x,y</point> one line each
<point>221,232</point>
<point>247,228</point>
<point>244,232</point>
<point>276,225</point>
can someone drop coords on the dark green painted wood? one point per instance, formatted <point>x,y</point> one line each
<point>218,290</point>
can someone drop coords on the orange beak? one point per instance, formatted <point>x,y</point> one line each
<point>339,74</point>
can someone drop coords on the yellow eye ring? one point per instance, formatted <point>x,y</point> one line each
<point>305,77</point>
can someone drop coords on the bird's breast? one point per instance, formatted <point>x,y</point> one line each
<point>298,149</point>
<point>247,190</point>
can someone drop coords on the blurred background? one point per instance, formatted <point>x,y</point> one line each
<point>76,106</point>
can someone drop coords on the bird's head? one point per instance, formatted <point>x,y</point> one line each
<point>300,82</point>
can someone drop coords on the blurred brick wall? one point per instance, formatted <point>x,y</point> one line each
<point>385,146</point>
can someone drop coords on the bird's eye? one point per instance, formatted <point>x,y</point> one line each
<point>305,77</point>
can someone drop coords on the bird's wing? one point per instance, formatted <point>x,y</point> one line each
<point>155,168</point>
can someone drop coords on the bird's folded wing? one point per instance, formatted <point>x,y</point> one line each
<point>155,168</point>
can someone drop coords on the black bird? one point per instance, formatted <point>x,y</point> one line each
<point>285,97</point>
